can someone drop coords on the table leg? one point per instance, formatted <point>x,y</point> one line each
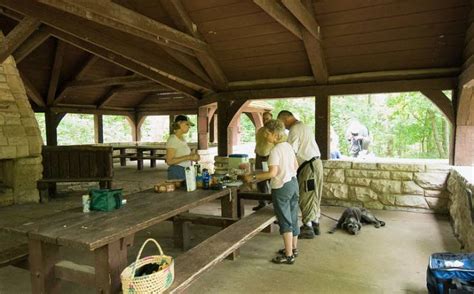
<point>110,260</point>
<point>229,204</point>
<point>152,160</point>
<point>123,160</point>
<point>229,209</point>
<point>42,258</point>
<point>182,234</point>
<point>139,159</point>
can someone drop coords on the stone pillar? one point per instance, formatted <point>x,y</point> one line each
<point>20,140</point>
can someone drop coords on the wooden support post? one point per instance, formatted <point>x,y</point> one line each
<point>171,123</point>
<point>213,129</point>
<point>229,205</point>
<point>98,128</point>
<point>181,232</point>
<point>234,132</point>
<point>203,131</point>
<point>51,120</point>
<point>223,148</point>
<point>42,259</point>
<point>323,123</point>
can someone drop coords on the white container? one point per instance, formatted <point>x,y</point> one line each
<point>86,203</point>
<point>190,178</point>
<point>264,166</point>
<point>235,160</point>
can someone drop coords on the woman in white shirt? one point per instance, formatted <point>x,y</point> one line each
<point>285,192</point>
<point>178,153</point>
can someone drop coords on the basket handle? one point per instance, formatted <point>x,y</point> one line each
<point>140,253</point>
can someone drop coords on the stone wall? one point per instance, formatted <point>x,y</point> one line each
<point>459,209</point>
<point>20,140</point>
<point>416,187</point>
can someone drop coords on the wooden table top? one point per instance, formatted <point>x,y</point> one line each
<point>73,228</point>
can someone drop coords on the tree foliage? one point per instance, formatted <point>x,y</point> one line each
<point>402,125</point>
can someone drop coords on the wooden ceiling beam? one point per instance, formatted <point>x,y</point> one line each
<point>32,92</point>
<point>443,103</point>
<point>81,71</point>
<point>55,72</point>
<point>141,89</point>
<point>311,37</point>
<point>126,63</point>
<point>91,109</point>
<point>107,82</point>
<point>118,43</point>
<point>292,20</point>
<point>34,41</point>
<point>120,18</point>
<point>338,89</point>
<point>108,97</point>
<point>190,62</point>
<point>281,15</point>
<point>177,12</point>
<point>17,36</point>
<point>304,15</point>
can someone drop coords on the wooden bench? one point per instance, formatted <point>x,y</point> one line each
<point>13,250</point>
<point>79,163</point>
<point>204,256</point>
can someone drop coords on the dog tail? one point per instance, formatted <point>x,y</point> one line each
<point>332,230</point>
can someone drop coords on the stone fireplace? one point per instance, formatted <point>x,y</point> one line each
<point>20,140</point>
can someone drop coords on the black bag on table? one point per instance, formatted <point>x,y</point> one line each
<point>450,273</point>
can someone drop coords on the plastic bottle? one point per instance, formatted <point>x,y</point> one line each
<point>199,183</point>
<point>205,179</point>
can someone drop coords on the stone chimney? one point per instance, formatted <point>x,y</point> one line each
<point>20,140</point>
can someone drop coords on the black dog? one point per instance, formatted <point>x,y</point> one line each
<point>352,218</point>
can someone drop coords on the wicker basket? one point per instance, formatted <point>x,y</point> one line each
<point>156,282</point>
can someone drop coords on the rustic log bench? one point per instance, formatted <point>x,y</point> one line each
<point>78,163</point>
<point>204,256</point>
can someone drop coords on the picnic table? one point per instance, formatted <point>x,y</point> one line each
<point>107,235</point>
<point>140,153</point>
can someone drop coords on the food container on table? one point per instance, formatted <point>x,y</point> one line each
<point>235,160</point>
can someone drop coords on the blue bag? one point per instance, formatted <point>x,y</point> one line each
<point>450,273</point>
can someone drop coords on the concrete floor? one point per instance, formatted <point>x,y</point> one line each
<point>387,260</point>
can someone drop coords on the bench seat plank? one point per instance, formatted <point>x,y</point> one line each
<point>213,250</point>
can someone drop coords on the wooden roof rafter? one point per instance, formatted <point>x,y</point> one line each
<point>80,72</point>
<point>207,59</point>
<point>300,20</point>
<point>17,36</point>
<point>113,15</point>
<point>34,41</point>
<point>121,18</point>
<point>119,44</point>
<point>32,92</point>
<point>55,72</point>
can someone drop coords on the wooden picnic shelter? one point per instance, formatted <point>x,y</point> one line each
<point>138,58</point>
<point>212,58</point>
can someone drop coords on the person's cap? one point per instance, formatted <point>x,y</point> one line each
<point>182,117</point>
